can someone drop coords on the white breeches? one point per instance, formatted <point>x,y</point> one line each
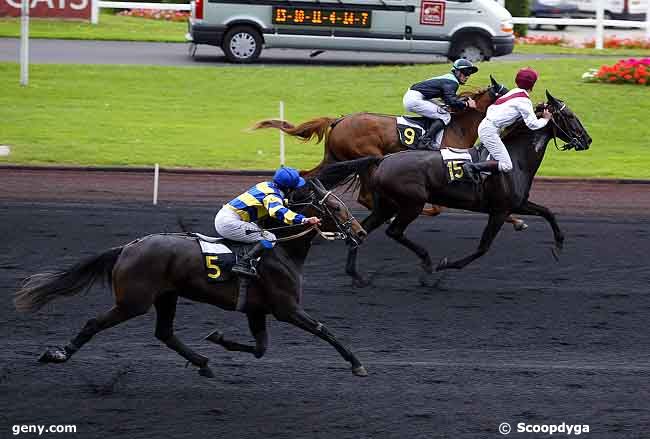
<point>490,136</point>
<point>414,101</point>
<point>229,225</point>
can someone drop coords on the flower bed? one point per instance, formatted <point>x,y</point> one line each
<point>156,14</point>
<point>621,43</point>
<point>542,40</point>
<point>626,71</point>
<point>612,42</point>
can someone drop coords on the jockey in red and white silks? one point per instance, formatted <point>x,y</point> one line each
<point>504,112</point>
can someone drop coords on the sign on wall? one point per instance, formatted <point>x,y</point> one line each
<point>48,8</point>
<point>432,13</point>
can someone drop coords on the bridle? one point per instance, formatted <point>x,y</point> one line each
<point>575,142</point>
<point>344,227</point>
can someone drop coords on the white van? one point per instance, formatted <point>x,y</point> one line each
<point>472,29</point>
<point>615,9</point>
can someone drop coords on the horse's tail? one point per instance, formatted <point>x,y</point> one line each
<point>39,289</point>
<point>341,173</point>
<point>318,127</point>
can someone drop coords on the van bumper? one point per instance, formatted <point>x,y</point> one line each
<point>503,45</point>
<point>199,33</point>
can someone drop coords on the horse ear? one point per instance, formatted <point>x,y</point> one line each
<point>551,99</point>
<point>318,185</point>
<point>495,84</point>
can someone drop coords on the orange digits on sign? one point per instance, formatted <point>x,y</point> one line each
<point>280,15</point>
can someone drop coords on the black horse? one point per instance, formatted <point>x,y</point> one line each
<point>157,269</point>
<point>402,183</point>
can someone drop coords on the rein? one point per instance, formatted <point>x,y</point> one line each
<point>574,141</point>
<point>343,232</point>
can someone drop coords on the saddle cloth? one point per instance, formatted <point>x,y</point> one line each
<point>411,128</point>
<point>453,159</point>
<point>219,255</point>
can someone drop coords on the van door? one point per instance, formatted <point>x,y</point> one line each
<point>388,29</point>
<point>429,25</point>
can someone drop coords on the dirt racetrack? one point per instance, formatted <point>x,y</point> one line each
<point>515,337</point>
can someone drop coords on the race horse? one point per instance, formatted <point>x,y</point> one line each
<point>367,134</point>
<point>157,269</point>
<point>402,183</point>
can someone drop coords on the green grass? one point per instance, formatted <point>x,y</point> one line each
<point>110,27</point>
<point>198,116</point>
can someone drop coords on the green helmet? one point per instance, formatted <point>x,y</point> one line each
<point>465,66</point>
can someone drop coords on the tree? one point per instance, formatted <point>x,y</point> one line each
<point>519,8</point>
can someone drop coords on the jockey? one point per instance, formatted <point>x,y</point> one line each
<point>418,99</point>
<point>238,217</point>
<point>504,112</point>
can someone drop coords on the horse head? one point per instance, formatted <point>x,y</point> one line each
<point>486,97</point>
<point>566,125</point>
<point>315,200</point>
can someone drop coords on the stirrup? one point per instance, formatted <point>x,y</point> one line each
<point>473,173</point>
<point>245,270</point>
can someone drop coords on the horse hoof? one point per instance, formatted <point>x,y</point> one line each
<point>556,253</point>
<point>215,336</point>
<point>442,265</point>
<point>205,371</point>
<point>56,355</point>
<point>360,371</point>
<point>520,226</point>
<point>360,282</point>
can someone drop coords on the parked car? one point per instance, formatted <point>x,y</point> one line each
<point>472,29</point>
<point>615,9</point>
<point>553,9</point>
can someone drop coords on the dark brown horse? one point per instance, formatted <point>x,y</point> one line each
<point>402,183</point>
<point>367,134</point>
<point>157,269</point>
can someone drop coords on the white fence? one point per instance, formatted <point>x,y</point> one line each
<point>599,22</point>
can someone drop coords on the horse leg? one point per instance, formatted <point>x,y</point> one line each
<point>489,233</point>
<point>518,224</point>
<point>112,317</point>
<point>257,325</point>
<point>530,208</point>
<point>301,319</point>
<point>365,195</point>
<point>396,231</point>
<point>432,211</point>
<point>166,311</point>
<point>376,218</point>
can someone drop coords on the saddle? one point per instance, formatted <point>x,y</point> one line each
<point>411,128</point>
<point>219,255</point>
<point>454,158</point>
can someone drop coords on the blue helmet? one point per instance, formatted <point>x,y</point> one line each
<point>288,178</point>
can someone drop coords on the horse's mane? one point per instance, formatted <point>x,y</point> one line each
<point>473,93</point>
<point>341,173</point>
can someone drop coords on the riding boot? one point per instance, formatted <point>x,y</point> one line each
<point>246,263</point>
<point>473,170</point>
<point>428,140</point>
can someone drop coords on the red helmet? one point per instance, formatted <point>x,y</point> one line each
<point>526,78</point>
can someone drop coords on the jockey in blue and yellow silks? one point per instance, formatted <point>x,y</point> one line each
<point>236,220</point>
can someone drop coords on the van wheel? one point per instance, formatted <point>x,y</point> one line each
<point>242,44</point>
<point>471,48</point>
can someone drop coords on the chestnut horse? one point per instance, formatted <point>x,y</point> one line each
<point>367,134</point>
